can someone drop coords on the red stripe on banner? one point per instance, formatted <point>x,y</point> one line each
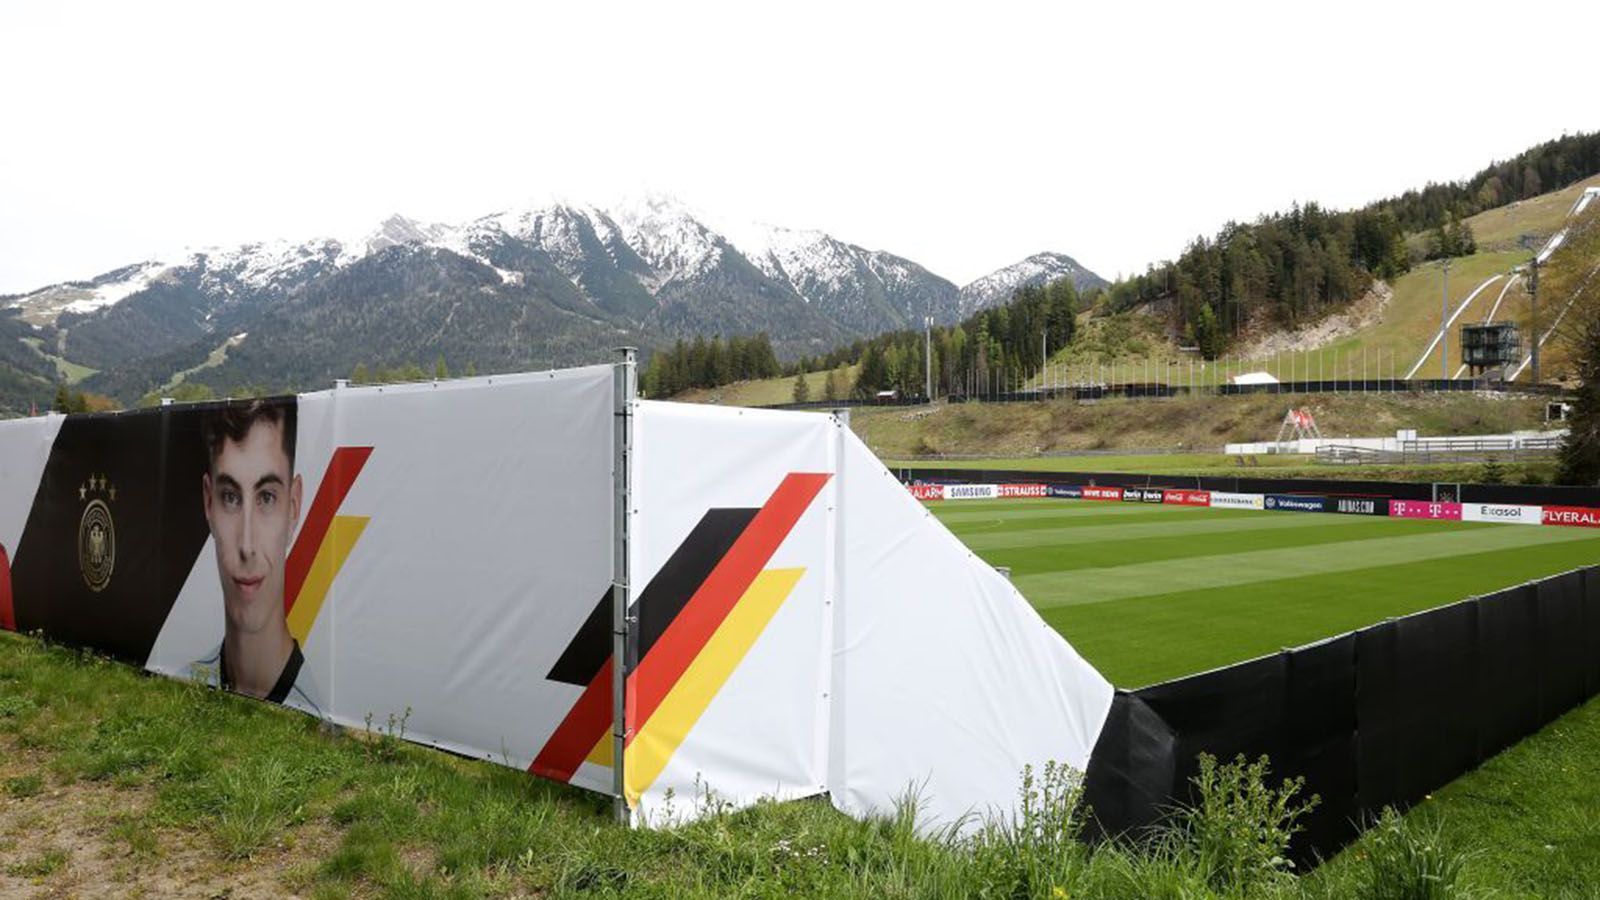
<point>8,618</point>
<point>683,640</point>
<point>343,468</point>
<point>577,734</point>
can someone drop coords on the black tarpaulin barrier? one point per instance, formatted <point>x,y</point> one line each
<point>1591,630</point>
<point>1562,662</point>
<point>1378,717</point>
<point>1436,683</point>
<point>1320,744</point>
<point>1508,663</point>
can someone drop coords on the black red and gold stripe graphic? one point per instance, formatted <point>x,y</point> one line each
<point>324,542</point>
<point>696,620</point>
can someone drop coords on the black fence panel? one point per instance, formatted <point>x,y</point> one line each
<point>1378,717</point>
<point>1508,683</point>
<point>1563,667</point>
<point>1436,669</point>
<point>1591,630</point>
<point>1320,743</point>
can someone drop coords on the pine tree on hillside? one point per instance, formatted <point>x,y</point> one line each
<point>802,390</point>
<point>1580,452</point>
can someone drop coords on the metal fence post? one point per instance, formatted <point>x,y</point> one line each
<point>625,392</point>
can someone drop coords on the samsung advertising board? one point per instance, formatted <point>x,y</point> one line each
<point>1297,503</point>
<point>1230,500</point>
<point>971,491</point>
<point>1360,506</point>
<point>1509,513</point>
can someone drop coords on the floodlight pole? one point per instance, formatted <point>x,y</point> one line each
<point>1444,331</point>
<point>927,352</point>
<point>1533,304</point>
<point>625,392</point>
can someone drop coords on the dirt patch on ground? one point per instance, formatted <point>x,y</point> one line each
<point>1364,312</point>
<point>95,839</point>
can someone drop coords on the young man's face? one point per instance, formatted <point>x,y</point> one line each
<point>252,504</point>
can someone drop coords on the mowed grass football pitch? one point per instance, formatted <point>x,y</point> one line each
<point>1150,592</point>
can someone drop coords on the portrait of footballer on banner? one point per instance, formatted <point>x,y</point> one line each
<point>252,499</point>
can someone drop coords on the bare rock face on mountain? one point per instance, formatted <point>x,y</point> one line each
<point>526,288</point>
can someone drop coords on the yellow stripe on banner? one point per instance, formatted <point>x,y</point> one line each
<point>343,532</point>
<point>660,737</point>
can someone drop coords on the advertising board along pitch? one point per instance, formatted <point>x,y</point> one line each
<point>1572,515</point>
<point>1509,513</point>
<point>1232,500</point>
<point>1297,503</point>
<point>1423,509</point>
<point>1187,498</point>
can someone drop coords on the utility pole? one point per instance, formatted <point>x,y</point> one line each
<point>1444,316</point>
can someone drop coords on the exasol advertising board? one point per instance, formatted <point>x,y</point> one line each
<point>1360,506</point>
<point>1230,500</point>
<point>1423,509</point>
<point>1102,493</point>
<point>1572,515</point>
<point>1511,513</point>
<point>1297,503</point>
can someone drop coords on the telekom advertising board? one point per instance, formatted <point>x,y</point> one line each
<point>1424,509</point>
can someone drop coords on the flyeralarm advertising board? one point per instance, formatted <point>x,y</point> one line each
<point>1572,515</point>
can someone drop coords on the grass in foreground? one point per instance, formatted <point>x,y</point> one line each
<point>127,785</point>
<point>119,784</point>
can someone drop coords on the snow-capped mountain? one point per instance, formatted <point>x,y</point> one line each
<point>542,285</point>
<point>864,290</point>
<point>998,286</point>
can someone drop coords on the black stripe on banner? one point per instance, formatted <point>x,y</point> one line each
<point>682,574</point>
<point>589,648</point>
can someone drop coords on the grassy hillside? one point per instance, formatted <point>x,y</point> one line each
<point>1201,423</point>
<point>764,392</point>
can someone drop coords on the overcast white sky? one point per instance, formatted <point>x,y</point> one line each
<point>963,136</point>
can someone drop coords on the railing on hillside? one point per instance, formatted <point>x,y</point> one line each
<point>1428,450</point>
